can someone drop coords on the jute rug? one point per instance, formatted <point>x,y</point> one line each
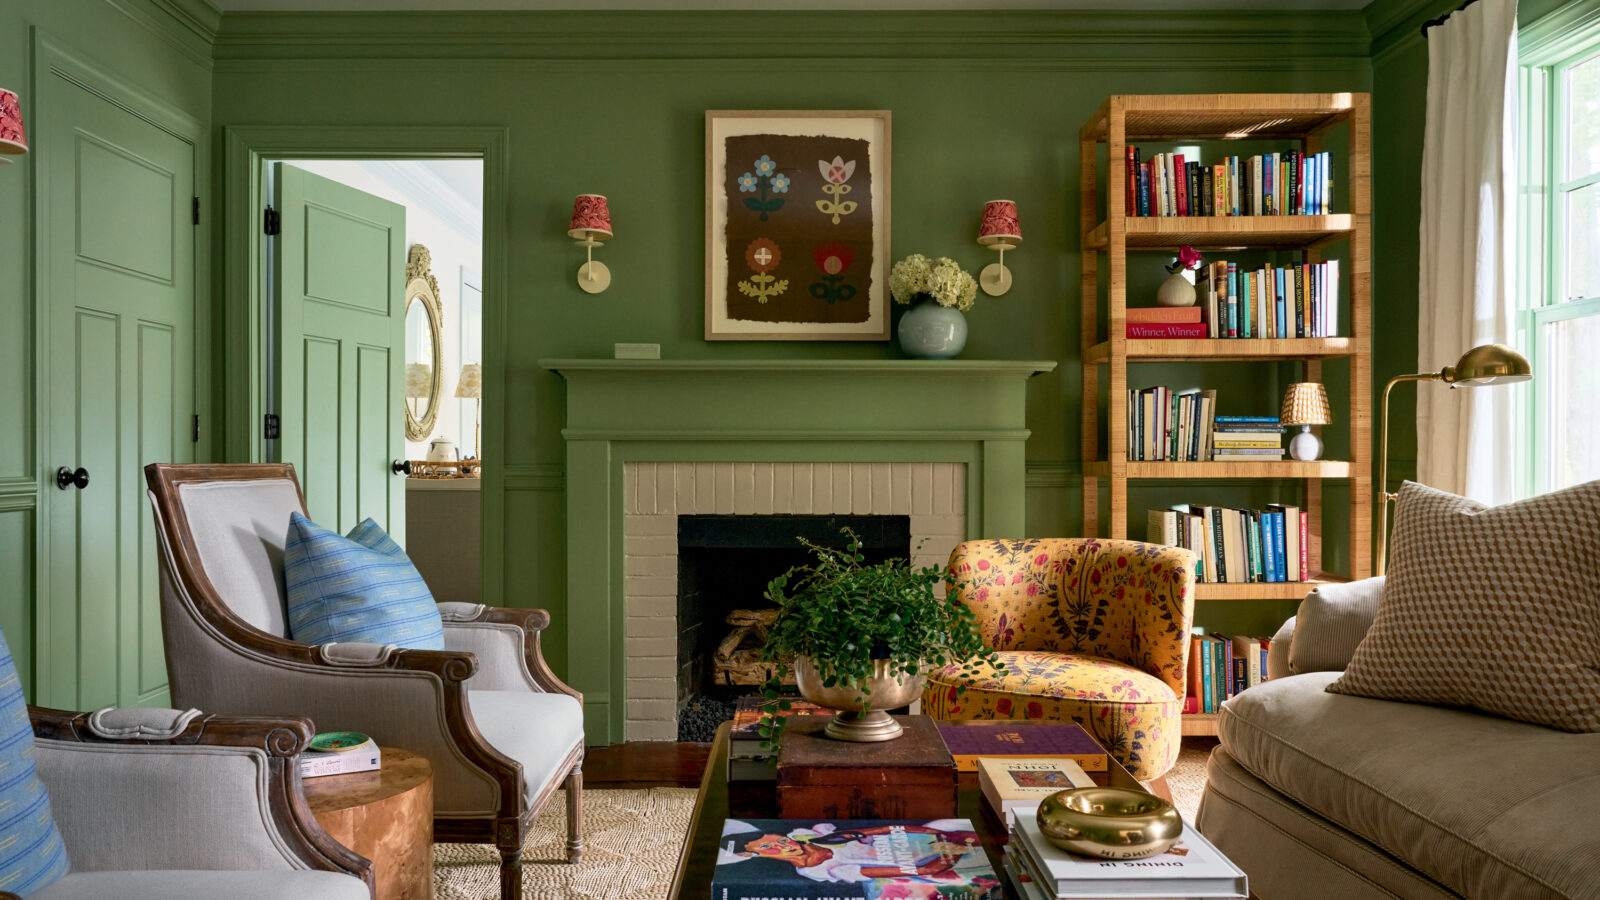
<point>632,839</point>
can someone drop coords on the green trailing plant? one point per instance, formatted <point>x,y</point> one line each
<point>846,615</point>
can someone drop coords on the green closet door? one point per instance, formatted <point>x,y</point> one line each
<point>340,283</point>
<point>119,302</point>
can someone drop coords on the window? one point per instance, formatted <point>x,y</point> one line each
<point>1560,228</point>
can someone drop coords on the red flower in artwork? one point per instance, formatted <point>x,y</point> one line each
<point>833,257</point>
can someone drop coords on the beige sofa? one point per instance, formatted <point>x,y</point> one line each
<point>1318,795</point>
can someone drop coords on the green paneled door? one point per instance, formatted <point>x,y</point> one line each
<point>119,312</point>
<point>339,292</point>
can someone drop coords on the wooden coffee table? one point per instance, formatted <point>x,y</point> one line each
<point>758,800</point>
<point>385,815</point>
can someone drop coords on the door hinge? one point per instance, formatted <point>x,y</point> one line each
<point>272,222</point>
<point>197,210</point>
<point>196,436</point>
<point>272,426</point>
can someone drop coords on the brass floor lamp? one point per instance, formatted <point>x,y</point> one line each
<point>1484,365</point>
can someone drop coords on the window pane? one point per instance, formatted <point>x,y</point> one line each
<point>1571,380</point>
<point>1583,119</point>
<point>1581,237</point>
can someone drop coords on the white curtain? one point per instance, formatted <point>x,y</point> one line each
<point>1465,436</point>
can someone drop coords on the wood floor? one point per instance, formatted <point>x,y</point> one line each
<point>645,764</point>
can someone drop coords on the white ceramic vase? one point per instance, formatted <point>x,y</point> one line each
<point>1177,290</point>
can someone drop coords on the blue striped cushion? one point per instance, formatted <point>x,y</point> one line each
<point>31,853</point>
<point>357,588</point>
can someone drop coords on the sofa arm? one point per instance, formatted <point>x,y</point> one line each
<point>1330,624</point>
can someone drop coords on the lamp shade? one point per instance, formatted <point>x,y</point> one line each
<point>591,218</point>
<point>1305,403</point>
<point>13,140</point>
<point>1000,224</point>
<point>419,380</point>
<point>1488,364</point>
<point>470,385</point>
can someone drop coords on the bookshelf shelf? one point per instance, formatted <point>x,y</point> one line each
<point>1110,235</point>
<point>1225,232</point>
<point>1219,350</point>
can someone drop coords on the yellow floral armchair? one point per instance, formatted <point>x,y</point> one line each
<point>1089,631</point>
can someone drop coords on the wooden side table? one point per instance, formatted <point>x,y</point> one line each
<point>385,815</point>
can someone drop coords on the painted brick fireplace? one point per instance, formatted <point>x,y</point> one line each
<point>650,440</point>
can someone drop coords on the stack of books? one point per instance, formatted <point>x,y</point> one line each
<point>1222,666</point>
<point>1246,439</point>
<point>1237,546</point>
<point>1165,322</point>
<point>1006,739</point>
<point>1014,786</point>
<point>1167,426</point>
<point>340,753</point>
<point>748,760</point>
<point>1271,184</point>
<point>1298,301</point>
<point>1191,868</point>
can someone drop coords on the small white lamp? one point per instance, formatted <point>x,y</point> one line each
<point>1305,404</point>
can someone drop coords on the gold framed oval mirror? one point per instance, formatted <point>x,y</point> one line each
<point>424,356</point>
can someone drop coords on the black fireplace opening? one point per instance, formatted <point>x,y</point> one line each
<point>724,565</point>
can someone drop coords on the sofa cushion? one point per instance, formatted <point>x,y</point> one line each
<point>361,588</point>
<point>1496,608</point>
<point>1132,713</point>
<point>32,854</point>
<point>165,884</point>
<point>536,730</point>
<point>1486,806</point>
<point>1330,624</point>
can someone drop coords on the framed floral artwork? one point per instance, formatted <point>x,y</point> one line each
<point>797,225</point>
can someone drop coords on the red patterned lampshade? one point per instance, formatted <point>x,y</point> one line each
<point>1000,224</point>
<point>591,218</point>
<point>13,140</point>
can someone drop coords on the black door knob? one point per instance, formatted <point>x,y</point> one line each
<point>401,466</point>
<point>66,478</point>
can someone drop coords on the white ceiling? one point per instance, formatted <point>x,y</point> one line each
<point>909,5</point>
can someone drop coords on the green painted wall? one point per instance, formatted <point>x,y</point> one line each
<point>162,49</point>
<point>985,105</point>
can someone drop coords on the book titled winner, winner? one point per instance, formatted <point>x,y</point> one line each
<point>1005,738</point>
<point>858,859</point>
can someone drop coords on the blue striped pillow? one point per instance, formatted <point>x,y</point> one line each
<point>31,853</point>
<point>357,588</point>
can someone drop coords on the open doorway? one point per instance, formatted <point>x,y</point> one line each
<point>376,332</point>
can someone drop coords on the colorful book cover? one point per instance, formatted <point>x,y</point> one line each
<point>1162,315</point>
<point>862,859</point>
<point>1012,786</point>
<point>1064,740</point>
<point>1164,330</point>
<point>747,715</point>
<point>1180,187</point>
<point>1131,195</point>
<point>1243,420</point>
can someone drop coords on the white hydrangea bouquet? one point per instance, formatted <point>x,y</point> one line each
<point>940,280</point>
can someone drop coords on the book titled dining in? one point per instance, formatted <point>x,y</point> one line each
<point>1190,868</point>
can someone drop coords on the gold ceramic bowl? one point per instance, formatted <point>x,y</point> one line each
<point>1109,823</point>
<point>852,723</point>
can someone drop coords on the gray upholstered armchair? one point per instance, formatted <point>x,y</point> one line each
<point>500,729</point>
<point>157,803</point>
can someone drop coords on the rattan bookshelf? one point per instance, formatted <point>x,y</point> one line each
<point>1107,353</point>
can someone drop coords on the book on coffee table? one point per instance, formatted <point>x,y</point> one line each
<point>1012,785</point>
<point>802,859</point>
<point>747,759</point>
<point>1019,739</point>
<point>1191,868</point>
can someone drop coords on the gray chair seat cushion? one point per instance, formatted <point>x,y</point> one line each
<point>169,883</point>
<point>537,730</point>
<point>1486,806</point>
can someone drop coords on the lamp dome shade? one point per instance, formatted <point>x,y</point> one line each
<point>419,380</point>
<point>1305,403</point>
<point>13,140</point>
<point>470,385</point>
<point>1488,364</point>
<point>591,218</point>
<point>1000,223</point>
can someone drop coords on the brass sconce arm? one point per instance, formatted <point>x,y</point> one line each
<point>1385,496</point>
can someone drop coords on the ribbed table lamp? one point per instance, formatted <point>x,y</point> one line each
<point>1305,404</point>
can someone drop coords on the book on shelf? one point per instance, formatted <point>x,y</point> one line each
<point>1269,184</point>
<point>1165,425</point>
<point>1013,740</point>
<point>340,753</point>
<point>748,760</point>
<point>1236,546</point>
<point>1015,786</point>
<point>1221,667</point>
<point>1162,315</point>
<point>801,859</point>
<point>1136,331</point>
<point>1272,302</point>
<point>1191,868</point>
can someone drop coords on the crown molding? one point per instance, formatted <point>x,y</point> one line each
<point>1058,38</point>
<point>1397,24</point>
<point>180,23</point>
<point>199,16</point>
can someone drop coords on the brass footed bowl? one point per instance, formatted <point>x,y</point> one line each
<point>1109,823</point>
<point>852,722</point>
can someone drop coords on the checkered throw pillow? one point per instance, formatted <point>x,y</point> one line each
<point>1494,608</point>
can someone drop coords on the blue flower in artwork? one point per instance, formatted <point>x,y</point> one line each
<point>780,183</point>
<point>765,166</point>
<point>747,183</point>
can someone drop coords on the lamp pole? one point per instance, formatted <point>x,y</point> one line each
<point>1385,496</point>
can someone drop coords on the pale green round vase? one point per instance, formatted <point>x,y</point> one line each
<point>931,331</point>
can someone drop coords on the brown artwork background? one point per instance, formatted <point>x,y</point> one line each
<point>798,229</point>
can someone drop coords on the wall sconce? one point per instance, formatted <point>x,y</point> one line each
<point>13,141</point>
<point>591,224</point>
<point>1001,230</point>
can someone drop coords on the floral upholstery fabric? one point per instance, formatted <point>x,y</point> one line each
<point>1097,630</point>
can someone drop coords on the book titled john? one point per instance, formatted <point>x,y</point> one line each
<point>1165,330</point>
<point>1016,739</point>
<point>1014,787</point>
<point>861,859</point>
<point>1191,868</point>
<point>340,753</point>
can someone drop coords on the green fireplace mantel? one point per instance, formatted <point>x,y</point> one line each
<point>622,411</point>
